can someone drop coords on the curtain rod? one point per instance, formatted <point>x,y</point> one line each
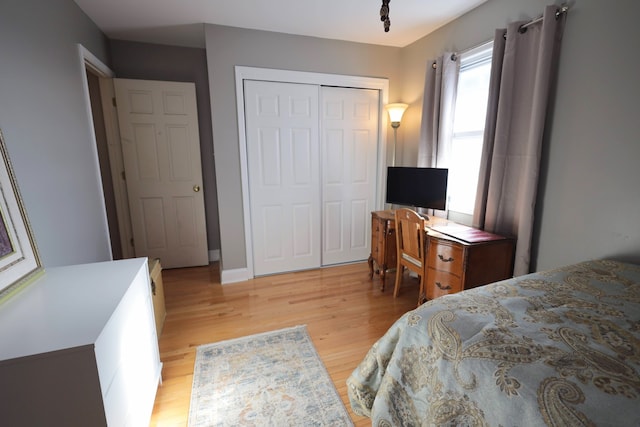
<point>562,9</point>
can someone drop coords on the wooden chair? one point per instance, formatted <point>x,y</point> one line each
<point>410,243</point>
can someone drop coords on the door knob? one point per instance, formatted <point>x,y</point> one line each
<point>196,188</point>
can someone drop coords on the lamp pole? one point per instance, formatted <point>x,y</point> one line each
<point>395,126</point>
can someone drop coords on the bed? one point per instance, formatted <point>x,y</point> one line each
<point>558,348</point>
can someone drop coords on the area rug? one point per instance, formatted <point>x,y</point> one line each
<point>269,379</point>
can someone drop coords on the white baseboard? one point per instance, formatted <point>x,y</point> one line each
<point>214,255</point>
<point>233,276</point>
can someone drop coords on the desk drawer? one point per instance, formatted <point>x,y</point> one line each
<point>445,256</point>
<point>440,283</point>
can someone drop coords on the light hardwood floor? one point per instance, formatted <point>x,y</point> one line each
<point>344,311</point>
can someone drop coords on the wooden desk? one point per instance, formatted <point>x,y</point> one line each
<point>457,257</point>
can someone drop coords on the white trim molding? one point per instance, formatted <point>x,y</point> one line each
<point>90,61</point>
<point>243,73</point>
<point>235,275</point>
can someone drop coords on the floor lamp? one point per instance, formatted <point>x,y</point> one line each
<point>395,115</point>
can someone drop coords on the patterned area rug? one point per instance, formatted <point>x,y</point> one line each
<point>270,379</point>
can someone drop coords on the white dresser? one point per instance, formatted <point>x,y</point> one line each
<point>78,347</point>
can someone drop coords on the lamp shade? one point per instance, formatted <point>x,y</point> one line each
<point>396,111</point>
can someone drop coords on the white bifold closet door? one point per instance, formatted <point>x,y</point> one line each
<point>311,155</point>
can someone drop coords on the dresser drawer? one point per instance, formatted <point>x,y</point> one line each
<point>440,283</point>
<point>445,256</point>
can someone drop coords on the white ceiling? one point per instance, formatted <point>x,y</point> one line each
<point>178,22</point>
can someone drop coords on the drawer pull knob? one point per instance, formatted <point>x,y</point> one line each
<point>444,260</point>
<point>444,288</point>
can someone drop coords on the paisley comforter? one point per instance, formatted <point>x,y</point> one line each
<point>557,348</point>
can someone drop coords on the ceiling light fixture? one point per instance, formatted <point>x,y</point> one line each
<point>384,15</point>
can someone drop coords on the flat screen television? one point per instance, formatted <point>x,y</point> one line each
<point>417,187</point>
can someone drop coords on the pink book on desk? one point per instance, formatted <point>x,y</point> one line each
<point>465,233</point>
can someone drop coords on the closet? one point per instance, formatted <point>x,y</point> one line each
<point>311,161</point>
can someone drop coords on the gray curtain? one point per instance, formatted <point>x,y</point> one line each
<point>523,70</point>
<point>441,81</point>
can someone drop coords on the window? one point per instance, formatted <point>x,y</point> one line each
<point>468,129</point>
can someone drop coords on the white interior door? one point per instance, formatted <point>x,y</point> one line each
<point>284,175</point>
<point>161,152</point>
<point>349,156</point>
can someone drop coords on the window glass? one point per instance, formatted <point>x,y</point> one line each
<point>468,128</point>
<point>471,100</point>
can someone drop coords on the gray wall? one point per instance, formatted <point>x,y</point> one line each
<point>590,195</point>
<point>132,60</point>
<point>228,47</point>
<point>589,198</point>
<point>43,116</point>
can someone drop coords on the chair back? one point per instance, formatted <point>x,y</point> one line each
<point>410,237</point>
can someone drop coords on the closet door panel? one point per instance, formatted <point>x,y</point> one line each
<point>349,141</point>
<point>284,175</point>
<point>333,240</point>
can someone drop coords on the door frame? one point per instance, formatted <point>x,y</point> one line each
<point>243,73</point>
<point>89,61</point>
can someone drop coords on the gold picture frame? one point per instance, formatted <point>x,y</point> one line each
<point>19,259</point>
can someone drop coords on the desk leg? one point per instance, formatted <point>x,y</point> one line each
<point>381,270</point>
<point>383,276</point>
